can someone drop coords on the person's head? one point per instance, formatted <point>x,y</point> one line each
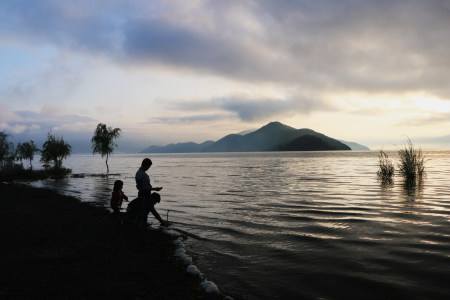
<point>155,197</point>
<point>146,163</point>
<point>118,185</point>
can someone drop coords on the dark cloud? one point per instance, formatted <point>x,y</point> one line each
<point>190,119</point>
<point>264,109</point>
<point>253,109</point>
<point>397,45</point>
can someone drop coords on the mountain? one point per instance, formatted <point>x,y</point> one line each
<point>311,142</point>
<point>266,138</point>
<point>355,146</point>
<point>246,132</point>
<point>274,136</point>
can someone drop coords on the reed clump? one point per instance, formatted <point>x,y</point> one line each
<point>412,163</point>
<point>386,167</point>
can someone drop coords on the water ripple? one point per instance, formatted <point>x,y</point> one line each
<point>297,225</point>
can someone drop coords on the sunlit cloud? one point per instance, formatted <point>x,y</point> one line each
<point>430,120</point>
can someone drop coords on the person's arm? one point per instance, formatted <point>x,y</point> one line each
<point>157,188</point>
<point>124,196</point>
<point>157,216</point>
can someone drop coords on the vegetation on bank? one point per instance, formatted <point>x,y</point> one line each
<point>411,165</point>
<point>54,151</point>
<point>26,151</point>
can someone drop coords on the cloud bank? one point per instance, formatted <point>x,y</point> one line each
<point>346,45</point>
<point>292,58</point>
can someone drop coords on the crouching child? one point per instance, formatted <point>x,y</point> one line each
<point>139,208</point>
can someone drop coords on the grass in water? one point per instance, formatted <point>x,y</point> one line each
<point>412,163</point>
<point>386,167</point>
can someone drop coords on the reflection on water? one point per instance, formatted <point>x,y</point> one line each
<point>413,190</point>
<point>297,225</point>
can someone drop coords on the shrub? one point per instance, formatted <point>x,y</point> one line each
<point>412,163</point>
<point>7,153</point>
<point>386,167</point>
<point>17,172</point>
<point>54,150</point>
<point>27,151</point>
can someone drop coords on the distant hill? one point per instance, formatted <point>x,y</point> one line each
<point>267,138</point>
<point>311,142</point>
<point>274,136</point>
<point>355,146</point>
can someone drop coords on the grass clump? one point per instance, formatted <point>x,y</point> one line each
<point>17,172</point>
<point>386,167</point>
<point>412,163</point>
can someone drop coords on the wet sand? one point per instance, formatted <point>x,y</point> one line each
<point>54,246</point>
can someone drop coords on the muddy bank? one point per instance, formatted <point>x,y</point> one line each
<point>56,247</point>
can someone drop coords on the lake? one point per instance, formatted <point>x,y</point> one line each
<point>296,225</point>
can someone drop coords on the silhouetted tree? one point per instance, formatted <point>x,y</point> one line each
<point>5,149</point>
<point>103,141</point>
<point>54,150</point>
<point>18,154</point>
<point>27,151</point>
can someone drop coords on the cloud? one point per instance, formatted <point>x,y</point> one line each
<point>263,109</point>
<point>200,118</point>
<point>32,123</point>
<point>441,140</point>
<point>346,45</point>
<point>430,120</point>
<point>255,109</point>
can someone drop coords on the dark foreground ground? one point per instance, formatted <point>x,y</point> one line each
<point>53,246</point>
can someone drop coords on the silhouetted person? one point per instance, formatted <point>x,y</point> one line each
<point>117,197</point>
<point>139,208</point>
<point>145,190</point>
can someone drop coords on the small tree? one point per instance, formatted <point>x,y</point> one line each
<point>54,150</point>
<point>18,154</point>
<point>27,151</point>
<point>6,149</point>
<point>103,141</point>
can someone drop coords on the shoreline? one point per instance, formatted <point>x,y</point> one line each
<point>56,246</point>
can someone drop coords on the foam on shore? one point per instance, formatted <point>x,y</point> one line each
<point>208,287</point>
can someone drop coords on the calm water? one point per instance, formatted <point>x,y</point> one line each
<point>297,225</point>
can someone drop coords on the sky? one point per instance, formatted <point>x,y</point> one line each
<point>373,72</point>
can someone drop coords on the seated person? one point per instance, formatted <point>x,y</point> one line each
<point>117,197</point>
